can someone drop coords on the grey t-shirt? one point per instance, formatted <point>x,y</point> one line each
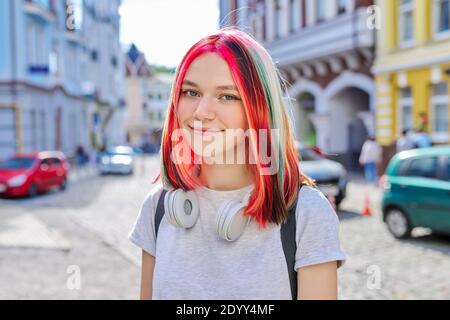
<point>196,264</point>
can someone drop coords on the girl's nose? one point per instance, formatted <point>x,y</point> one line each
<point>204,110</point>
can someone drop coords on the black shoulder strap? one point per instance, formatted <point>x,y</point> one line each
<point>289,242</point>
<point>159,211</point>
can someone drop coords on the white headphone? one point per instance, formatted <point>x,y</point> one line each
<point>182,210</point>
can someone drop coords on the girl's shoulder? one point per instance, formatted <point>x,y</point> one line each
<point>312,202</point>
<point>152,197</point>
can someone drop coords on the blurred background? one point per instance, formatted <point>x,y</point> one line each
<point>84,86</point>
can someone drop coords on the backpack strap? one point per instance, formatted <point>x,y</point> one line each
<point>159,211</point>
<point>288,230</point>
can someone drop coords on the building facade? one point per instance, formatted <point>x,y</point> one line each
<point>61,75</point>
<point>147,96</point>
<point>412,69</point>
<point>325,51</point>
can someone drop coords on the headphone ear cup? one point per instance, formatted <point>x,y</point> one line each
<point>168,207</point>
<point>182,208</point>
<point>231,221</point>
<point>221,216</point>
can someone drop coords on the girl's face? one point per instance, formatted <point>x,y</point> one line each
<point>210,108</point>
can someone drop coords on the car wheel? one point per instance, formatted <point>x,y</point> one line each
<point>32,191</point>
<point>398,223</point>
<point>63,185</point>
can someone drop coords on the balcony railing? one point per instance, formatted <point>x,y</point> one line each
<point>40,8</point>
<point>342,34</point>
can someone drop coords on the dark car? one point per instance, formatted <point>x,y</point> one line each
<point>32,173</point>
<point>330,176</point>
<point>417,191</point>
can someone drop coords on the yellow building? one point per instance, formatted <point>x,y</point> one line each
<point>412,69</point>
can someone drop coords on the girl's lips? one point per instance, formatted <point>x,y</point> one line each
<point>204,131</point>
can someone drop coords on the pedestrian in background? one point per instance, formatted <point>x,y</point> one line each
<point>421,139</point>
<point>223,232</point>
<point>405,142</point>
<point>81,155</point>
<point>370,158</point>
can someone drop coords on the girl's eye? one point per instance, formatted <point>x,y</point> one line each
<point>229,97</point>
<point>190,93</point>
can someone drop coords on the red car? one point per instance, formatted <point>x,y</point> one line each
<point>32,173</point>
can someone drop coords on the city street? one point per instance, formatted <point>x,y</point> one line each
<point>73,244</point>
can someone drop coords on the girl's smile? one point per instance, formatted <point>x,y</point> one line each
<point>204,131</point>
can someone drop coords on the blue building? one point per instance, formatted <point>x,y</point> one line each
<point>61,75</point>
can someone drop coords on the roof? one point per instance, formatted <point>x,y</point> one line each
<point>40,154</point>
<point>432,151</point>
<point>136,63</point>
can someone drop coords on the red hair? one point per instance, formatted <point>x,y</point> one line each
<point>260,87</point>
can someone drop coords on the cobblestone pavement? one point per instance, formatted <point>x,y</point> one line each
<point>83,232</point>
<point>92,219</point>
<point>379,266</point>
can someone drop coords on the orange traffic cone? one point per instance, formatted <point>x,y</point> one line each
<point>367,212</point>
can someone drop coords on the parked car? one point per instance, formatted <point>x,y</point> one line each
<point>32,173</point>
<point>417,191</point>
<point>150,148</point>
<point>119,159</point>
<point>330,176</point>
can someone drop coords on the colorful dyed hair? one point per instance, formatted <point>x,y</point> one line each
<point>261,88</point>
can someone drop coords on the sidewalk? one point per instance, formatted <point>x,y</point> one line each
<point>78,173</point>
<point>26,231</point>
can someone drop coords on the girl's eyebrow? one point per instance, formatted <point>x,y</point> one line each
<point>225,87</point>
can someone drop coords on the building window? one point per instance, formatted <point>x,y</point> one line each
<point>257,27</point>
<point>406,23</point>
<point>71,64</point>
<point>43,131</point>
<point>441,17</point>
<point>341,6</point>
<point>278,19</point>
<point>405,104</point>
<point>254,28</point>
<point>33,130</point>
<point>54,60</point>
<point>114,62</point>
<point>94,55</point>
<point>439,112</point>
<point>294,15</point>
<point>37,51</point>
<point>320,10</point>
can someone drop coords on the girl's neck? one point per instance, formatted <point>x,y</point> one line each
<point>225,177</point>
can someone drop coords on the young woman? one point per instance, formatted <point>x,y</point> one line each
<point>224,232</point>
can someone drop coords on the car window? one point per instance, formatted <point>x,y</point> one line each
<point>426,167</point>
<point>448,168</point>
<point>47,161</point>
<point>56,161</point>
<point>17,163</point>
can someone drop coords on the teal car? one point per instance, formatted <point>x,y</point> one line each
<point>417,191</point>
